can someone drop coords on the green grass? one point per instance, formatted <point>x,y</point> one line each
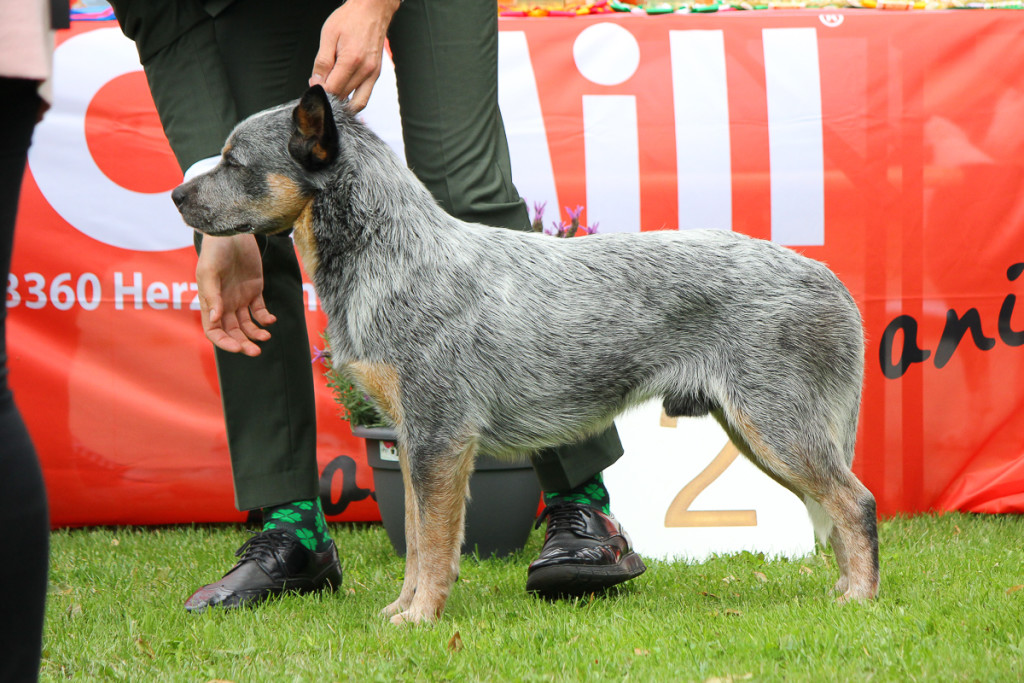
<point>950,609</point>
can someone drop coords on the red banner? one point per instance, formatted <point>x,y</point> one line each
<point>885,144</point>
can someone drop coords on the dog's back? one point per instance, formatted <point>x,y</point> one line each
<point>555,337</point>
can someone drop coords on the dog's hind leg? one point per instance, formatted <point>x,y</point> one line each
<point>439,485</point>
<point>854,538</point>
<point>823,528</point>
<point>814,466</point>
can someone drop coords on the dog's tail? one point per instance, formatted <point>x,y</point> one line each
<point>819,519</point>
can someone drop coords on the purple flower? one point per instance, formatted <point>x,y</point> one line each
<point>321,355</point>
<point>574,221</point>
<point>557,229</point>
<point>538,210</point>
<point>538,216</point>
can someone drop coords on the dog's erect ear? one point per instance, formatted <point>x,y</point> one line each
<point>314,141</point>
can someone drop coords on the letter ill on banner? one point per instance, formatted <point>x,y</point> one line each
<point>858,138</point>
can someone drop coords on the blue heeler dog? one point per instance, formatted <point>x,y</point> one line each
<point>463,334</point>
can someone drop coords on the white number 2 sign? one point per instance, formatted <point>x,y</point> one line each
<point>680,494</point>
<point>679,512</point>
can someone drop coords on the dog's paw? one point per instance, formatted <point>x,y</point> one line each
<point>857,594</point>
<point>394,608</point>
<point>414,616</point>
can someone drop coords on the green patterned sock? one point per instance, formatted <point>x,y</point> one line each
<point>591,492</point>
<point>303,518</point>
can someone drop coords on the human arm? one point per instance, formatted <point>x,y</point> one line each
<point>351,49</point>
<point>229,275</point>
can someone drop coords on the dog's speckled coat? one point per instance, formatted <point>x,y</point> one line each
<point>479,339</point>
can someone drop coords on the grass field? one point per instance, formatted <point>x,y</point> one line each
<point>951,608</point>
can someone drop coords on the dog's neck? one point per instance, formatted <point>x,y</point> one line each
<point>361,235</point>
<point>305,241</point>
<point>378,210</point>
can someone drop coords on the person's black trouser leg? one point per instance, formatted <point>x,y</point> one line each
<point>253,55</point>
<point>23,511</point>
<point>446,61</point>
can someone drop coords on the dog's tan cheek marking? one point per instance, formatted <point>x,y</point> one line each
<point>306,241</point>
<point>284,202</point>
<point>380,381</point>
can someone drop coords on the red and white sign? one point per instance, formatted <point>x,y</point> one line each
<point>885,144</point>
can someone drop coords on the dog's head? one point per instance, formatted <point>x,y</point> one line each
<point>269,170</point>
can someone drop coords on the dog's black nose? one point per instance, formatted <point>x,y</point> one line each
<point>178,195</point>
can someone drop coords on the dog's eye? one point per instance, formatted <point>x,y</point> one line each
<point>231,162</point>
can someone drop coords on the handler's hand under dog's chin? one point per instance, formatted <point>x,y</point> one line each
<point>229,275</point>
<point>351,49</point>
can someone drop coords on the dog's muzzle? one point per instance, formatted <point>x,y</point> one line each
<point>179,195</point>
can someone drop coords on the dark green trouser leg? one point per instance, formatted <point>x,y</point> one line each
<point>269,406</point>
<point>446,60</point>
<point>204,78</point>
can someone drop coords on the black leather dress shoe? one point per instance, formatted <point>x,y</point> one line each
<point>272,562</point>
<point>584,551</point>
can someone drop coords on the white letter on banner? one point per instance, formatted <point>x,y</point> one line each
<point>519,101</point>
<point>64,169</point>
<point>701,101</point>
<point>121,290</point>
<point>796,154</point>
<point>608,54</point>
<point>612,150</point>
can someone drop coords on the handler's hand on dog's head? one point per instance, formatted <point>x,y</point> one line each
<point>351,45</point>
<point>230,279</point>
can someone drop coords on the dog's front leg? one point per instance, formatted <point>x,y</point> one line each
<point>411,538</point>
<point>439,486</point>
